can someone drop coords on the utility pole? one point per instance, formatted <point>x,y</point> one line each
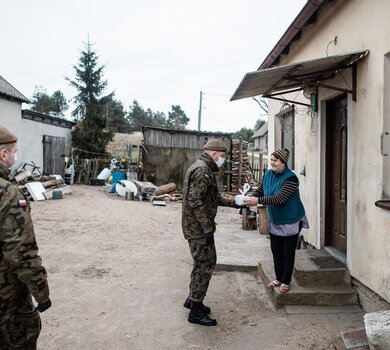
<point>200,110</point>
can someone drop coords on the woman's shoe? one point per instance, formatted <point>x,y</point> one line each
<point>274,283</point>
<point>284,288</point>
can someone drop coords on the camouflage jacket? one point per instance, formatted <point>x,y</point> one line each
<point>201,199</point>
<point>21,270</point>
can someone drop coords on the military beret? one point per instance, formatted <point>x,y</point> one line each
<point>282,154</point>
<point>6,136</point>
<point>215,145</point>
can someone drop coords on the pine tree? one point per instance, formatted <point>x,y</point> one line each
<point>54,105</point>
<point>90,136</point>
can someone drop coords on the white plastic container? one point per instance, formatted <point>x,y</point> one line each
<point>239,199</point>
<point>104,174</point>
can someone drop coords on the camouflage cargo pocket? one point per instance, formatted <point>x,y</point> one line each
<point>201,251</point>
<point>24,328</point>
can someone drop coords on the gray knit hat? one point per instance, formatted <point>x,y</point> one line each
<point>215,145</point>
<point>282,154</point>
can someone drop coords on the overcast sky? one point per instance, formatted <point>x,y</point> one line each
<point>160,53</point>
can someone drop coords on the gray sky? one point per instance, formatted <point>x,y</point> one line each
<point>157,52</point>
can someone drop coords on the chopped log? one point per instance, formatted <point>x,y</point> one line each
<point>52,183</point>
<point>249,221</point>
<point>167,188</point>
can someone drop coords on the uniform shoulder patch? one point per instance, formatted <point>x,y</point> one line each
<point>22,203</point>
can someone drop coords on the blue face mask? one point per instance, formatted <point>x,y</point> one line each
<point>220,162</point>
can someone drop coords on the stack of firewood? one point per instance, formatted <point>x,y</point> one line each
<point>241,168</point>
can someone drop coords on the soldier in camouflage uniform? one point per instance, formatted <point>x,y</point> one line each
<point>21,270</point>
<point>200,204</point>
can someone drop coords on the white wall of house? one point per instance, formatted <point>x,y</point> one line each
<point>30,133</point>
<point>32,136</point>
<point>10,117</point>
<point>358,24</point>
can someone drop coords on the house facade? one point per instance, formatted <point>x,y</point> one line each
<point>43,140</point>
<point>260,139</point>
<point>328,85</point>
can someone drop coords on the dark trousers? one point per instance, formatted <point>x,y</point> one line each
<point>204,260</point>
<point>283,252</point>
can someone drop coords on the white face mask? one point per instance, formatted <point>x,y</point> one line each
<point>15,158</point>
<point>220,162</point>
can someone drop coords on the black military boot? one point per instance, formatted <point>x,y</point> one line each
<point>188,302</point>
<point>197,315</point>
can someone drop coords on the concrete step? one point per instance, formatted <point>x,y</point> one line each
<point>307,294</point>
<point>307,272</point>
<point>314,295</point>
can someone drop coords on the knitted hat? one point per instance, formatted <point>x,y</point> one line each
<point>282,154</point>
<point>215,145</point>
<point>6,136</point>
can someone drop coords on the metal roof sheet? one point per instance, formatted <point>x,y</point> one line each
<point>261,131</point>
<point>287,77</point>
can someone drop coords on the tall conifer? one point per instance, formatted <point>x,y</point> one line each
<point>90,136</point>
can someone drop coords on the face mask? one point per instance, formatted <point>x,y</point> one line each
<point>15,159</point>
<point>220,161</point>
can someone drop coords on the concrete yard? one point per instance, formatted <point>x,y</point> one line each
<point>119,272</point>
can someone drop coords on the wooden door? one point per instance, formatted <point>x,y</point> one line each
<point>336,174</point>
<point>53,155</point>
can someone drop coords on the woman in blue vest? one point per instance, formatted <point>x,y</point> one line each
<point>279,191</point>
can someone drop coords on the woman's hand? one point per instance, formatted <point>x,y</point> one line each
<point>251,201</point>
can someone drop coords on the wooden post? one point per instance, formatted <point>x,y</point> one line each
<point>263,219</point>
<point>248,221</point>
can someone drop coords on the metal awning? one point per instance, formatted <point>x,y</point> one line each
<point>282,79</point>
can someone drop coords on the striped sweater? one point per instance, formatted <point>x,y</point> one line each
<point>279,191</point>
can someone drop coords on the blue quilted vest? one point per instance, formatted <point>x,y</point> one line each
<point>291,211</point>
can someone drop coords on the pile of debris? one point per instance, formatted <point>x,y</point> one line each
<point>34,185</point>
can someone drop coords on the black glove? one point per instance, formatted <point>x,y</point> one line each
<point>209,239</point>
<point>44,305</point>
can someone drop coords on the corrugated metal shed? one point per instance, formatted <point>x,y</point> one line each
<point>169,138</point>
<point>284,78</point>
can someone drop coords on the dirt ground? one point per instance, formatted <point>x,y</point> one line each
<point>119,272</point>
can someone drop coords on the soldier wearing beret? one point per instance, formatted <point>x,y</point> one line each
<point>200,203</point>
<point>21,272</point>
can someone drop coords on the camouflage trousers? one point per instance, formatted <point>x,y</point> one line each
<point>204,259</point>
<point>20,325</point>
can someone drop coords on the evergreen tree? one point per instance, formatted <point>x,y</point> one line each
<point>245,133</point>
<point>90,136</point>
<point>138,117</point>
<point>177,119</point>
<point>54,105</point>
<point>116,117</point>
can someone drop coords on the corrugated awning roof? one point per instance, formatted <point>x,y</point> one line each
<point>281,79</point>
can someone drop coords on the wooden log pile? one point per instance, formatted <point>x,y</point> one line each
<point>241,167</point>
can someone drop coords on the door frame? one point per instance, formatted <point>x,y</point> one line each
<point>321,181</point>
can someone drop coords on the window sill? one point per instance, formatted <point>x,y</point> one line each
<point>383,204</point>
